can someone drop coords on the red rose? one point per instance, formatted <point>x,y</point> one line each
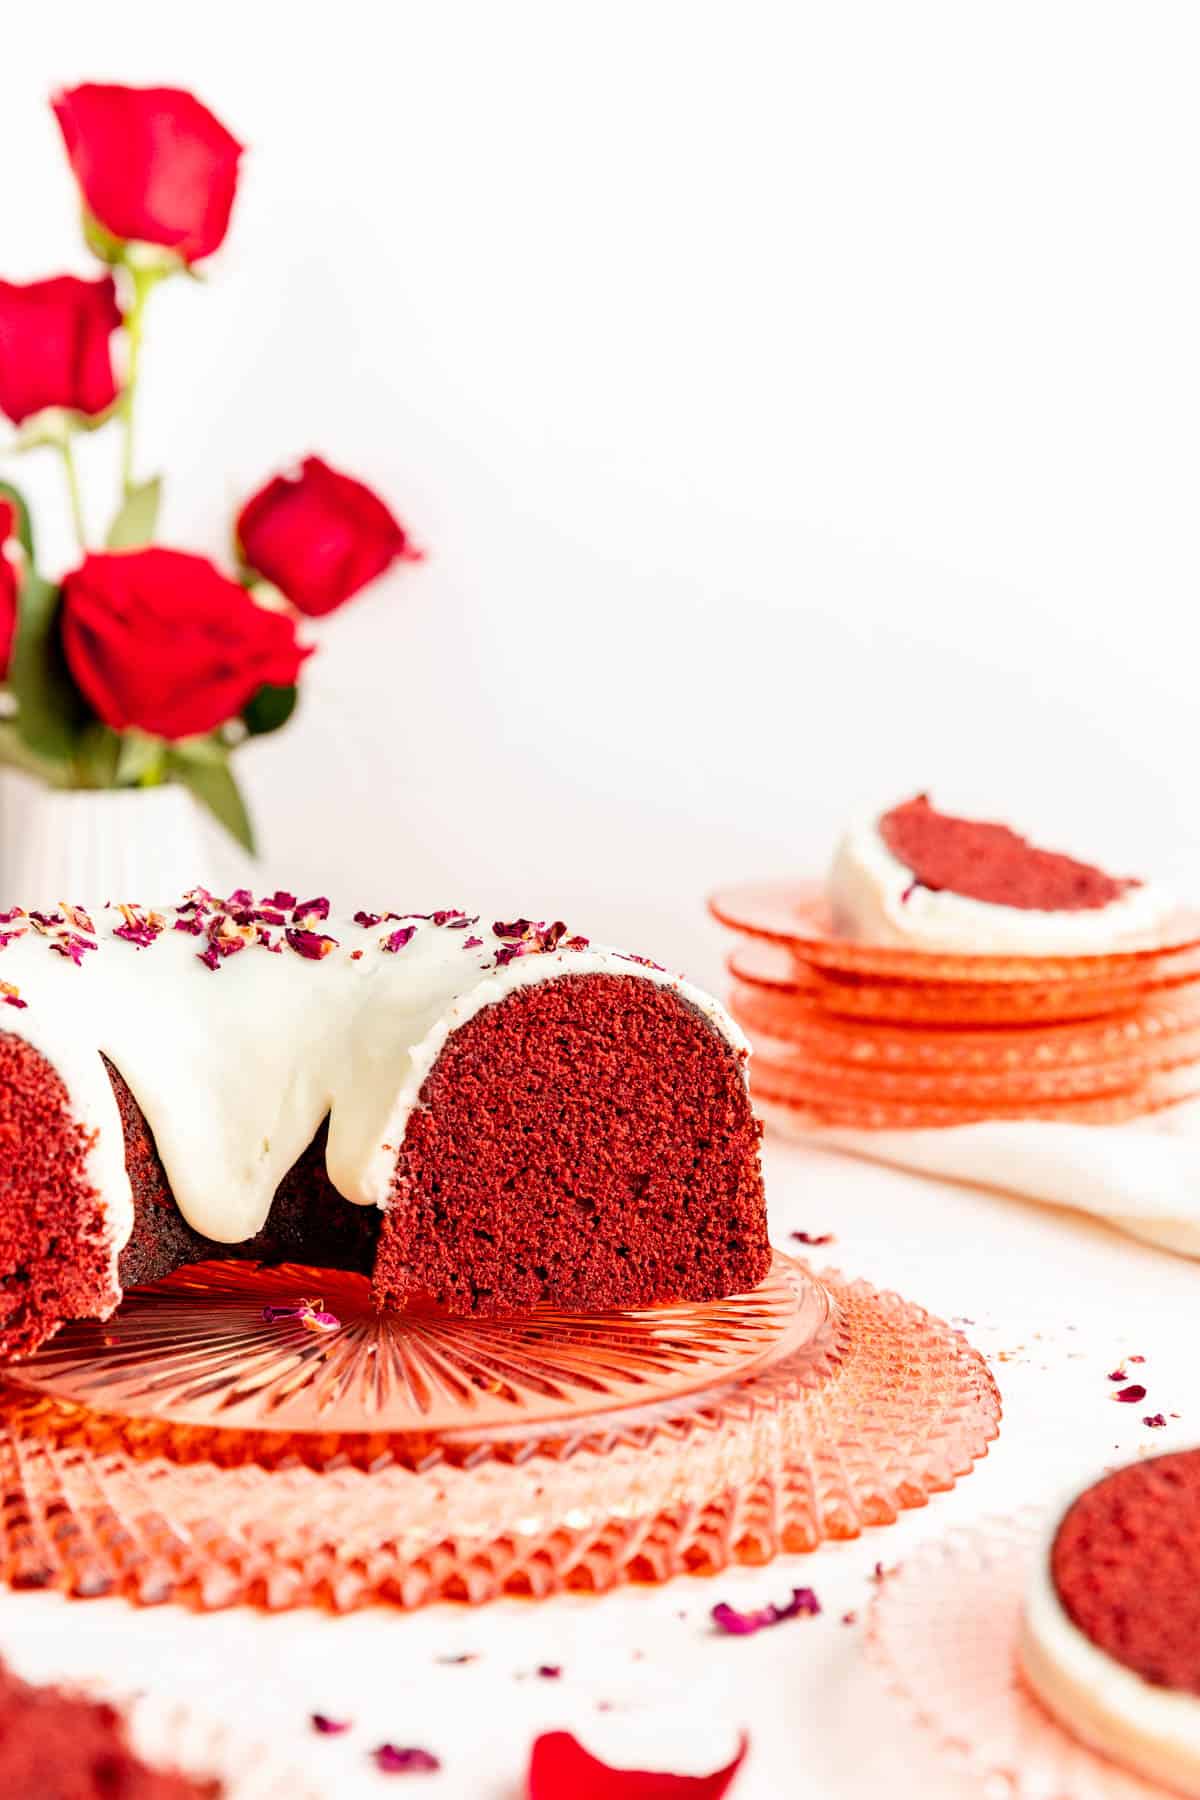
<point>319,536</point>
<point>9,580</point>
<point>54,348</point>
<point>154,165</point>
<point>163,641</point>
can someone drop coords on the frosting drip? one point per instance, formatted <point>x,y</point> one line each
<point>239,1026</point>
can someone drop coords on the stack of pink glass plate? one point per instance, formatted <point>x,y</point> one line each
<point>882,1037</point>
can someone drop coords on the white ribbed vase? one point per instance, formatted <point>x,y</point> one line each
<point>141,844</point>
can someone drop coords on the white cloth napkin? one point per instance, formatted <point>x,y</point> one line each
<point>1143,1177</point>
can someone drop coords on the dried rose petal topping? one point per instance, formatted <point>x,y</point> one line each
<point>519,928</point>
<point>391,1761</point>
<point>74,946</point>
<point>269,943</point>
<point>549,1671</point>
<point>284,901</point>
<point>1132,1394</point>
<point>14,912</point>
<point>240,897</point>
<point>449,915</point>
<point>329,1727</point>
<point>191,924</point>
<point>814,1237</point>
<point>12,995</point>
<point>310,1314</point>
<point>1154,1420</point>
<point>366,919</point>
<point>743,1624</point>
<point>471,943</point>
<point>646,962</point>
<point>44,921</point>
<point>6,937</point>
<point>398,939</point>
<point>210,957</point>
<point>311,944</point>
<point>77,917</point>
<point>311,909</point>
<point>1118,1375</point>
<point>561,1769</point>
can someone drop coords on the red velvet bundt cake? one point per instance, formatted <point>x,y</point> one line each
<point>481,1115</point>
<point>1111,1637</point>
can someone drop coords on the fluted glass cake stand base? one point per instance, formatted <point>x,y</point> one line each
<point>944,1630</point>
<point>197,1449</point>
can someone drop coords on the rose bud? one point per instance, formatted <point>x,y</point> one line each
<point>154,165</point>
<point>54,345</point>
<point>9,582</point>
<point>319,536</point>
<point>163,641</point>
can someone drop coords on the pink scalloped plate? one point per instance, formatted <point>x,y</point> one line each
<point>1159,1034</point>
<point>797,916</point>
<point>994,1005</point>
<point>439,1458</point>
<point>943,1630</point>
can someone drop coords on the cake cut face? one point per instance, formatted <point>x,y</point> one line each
<point>481,1117</point>
<point>1111,1635</point>
<point>56,1743</point>
<point>934,881</point>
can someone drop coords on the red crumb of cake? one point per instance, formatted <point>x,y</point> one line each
<point>55,1250</point>
<point>587,1141</point>
<point>991,863</point>
<point>1126,1567</point>
<point>59,1744</point>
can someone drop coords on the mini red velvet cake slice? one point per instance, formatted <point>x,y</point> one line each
<point>927,879</point>
<point>482,1115</point>
<point>56,1745</point>
<point>1111,1634</point>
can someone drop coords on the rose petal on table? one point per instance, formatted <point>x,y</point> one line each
<point>561,1769</point>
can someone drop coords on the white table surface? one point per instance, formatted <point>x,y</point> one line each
<point>1055,1303</point>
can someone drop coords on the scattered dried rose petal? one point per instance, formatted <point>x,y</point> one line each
<point>1130,1395</point>
<point>329,1727</point>
<point>1154,1420</point>
<point>743,1624</point>
<point>549,1671</point>
<point>1137,1359</point>
<point>309,1313</point>
<point>192,923</point>
<point>454,1662</point>
<point>471,943</point>
<point>367,919</point>
<point>311,909</point>
<point>311,944</point>
<point>398,939</point>
<point>14,912</point>
<point>391,1761</point>
<point>814,1237</point>
<point>12,995</point>
<point>1117,1375</point>
<point>74,946</point>
<point>561,1769</point>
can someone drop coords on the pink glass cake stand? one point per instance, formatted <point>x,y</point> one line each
<point>944,1629</point>
<point>190,1449</point>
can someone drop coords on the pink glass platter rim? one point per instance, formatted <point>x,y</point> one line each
<point>195,1350</point>
<point>943,1631</point>
<point>796,914</point>
<point>814,1447</point>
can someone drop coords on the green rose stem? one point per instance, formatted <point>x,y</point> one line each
<point>142,281</point>
<point>66,450</point>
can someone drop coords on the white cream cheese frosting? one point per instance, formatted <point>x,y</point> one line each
<point>1154,1731</point>
<point>236,1058</point>
<point>875,899</point>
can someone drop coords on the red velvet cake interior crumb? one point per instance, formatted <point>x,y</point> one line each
<point>59,1746</point>
<point>1126,1566</point>
<point>991,863</point>
<point>587,1140</point>
<point>55,1254</point>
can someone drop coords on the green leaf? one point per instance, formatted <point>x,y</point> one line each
<point>16,755</point>
<point>210,750</point>
<point>270,708</point>
<point>100,240</point>
<point>97,755</point>
<point>20,506</point>
<point>214,786</point>
<point>141,760</point>
<point>50,710</point>
<point>137,517</point>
